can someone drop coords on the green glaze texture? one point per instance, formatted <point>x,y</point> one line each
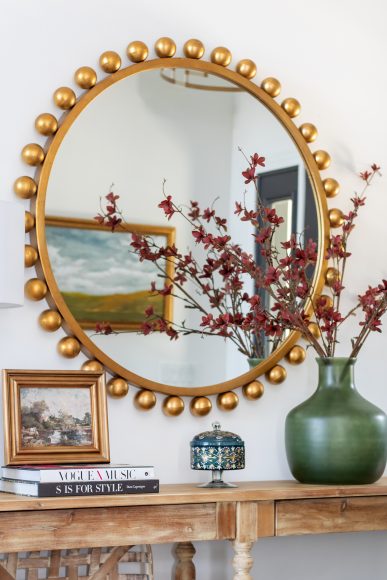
<point>254,362</point>
<point>336,436</point>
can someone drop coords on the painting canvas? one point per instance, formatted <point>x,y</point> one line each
<point>55,417</point>
<point>100,279</point>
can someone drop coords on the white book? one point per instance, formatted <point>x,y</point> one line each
<point>74,473</point>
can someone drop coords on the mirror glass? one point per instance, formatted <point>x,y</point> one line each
<point>137,132</point>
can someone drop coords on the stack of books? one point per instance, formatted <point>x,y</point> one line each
<point>71,480</point>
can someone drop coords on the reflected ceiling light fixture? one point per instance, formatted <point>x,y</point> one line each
<point>11,254</point>
<point>192,79</point>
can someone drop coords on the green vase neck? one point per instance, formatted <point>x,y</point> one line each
<point>336,373</point>
<point>254,362</point>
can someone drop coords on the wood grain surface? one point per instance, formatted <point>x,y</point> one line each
<point>189,493</point>
<point>82,528</point>
<point>324,516</point>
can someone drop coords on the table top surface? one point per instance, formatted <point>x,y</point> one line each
<point>188,493</point>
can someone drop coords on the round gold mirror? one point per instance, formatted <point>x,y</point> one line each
<point>182,119</point>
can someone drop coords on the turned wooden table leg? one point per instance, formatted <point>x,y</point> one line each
<point>185,568</point>
<point>243,561</point>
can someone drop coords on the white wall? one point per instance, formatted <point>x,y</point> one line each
<point>329,56</point>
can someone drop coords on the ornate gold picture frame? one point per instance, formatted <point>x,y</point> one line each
<point>94,303</point>
<point>54,417</point>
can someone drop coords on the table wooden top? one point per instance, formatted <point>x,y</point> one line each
<point>188,493</point>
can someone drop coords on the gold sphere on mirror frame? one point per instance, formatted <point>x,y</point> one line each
<point>69,347</point>
<point>50,320</point>
<point>173,406</point>
<point>271,86</point>
<point>331,187</point>
<point>336,217</point>
<point>29,221</point>
<point>328,301</point>
<point>200,406</point>
<point>85,77</point>
<point>221,56</point>
<point>165,47</point>
<point>322,158</point>
<point>92,366</point>
<point>314,329</point>
<point>193,48</point>
<point>227,401</point>
<point>46,124</point>
<point>33,154</point>
<point>116,387</point>
<point>137,51</point>
<point>64,98</point>
<point>309,132</point>
<point>276,375</point>
<point>110,61</point>
<point>296,355</point>
<point>247,68</point>
<point>145,400</point>
<point>35,289</point>
<point>30,256</point>
<point>25,187</point>
<point>291,106</point>
<point>332,275</point>
<point>253,391</point>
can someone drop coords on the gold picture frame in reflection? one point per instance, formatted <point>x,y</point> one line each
<point>54,417</point>
<point>100,279</point>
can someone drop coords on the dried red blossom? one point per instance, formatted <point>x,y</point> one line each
<point>149,311</point>
<point>167,206</point>
<point>219,279</point>
<point>272,217</point>
<point>257,160</point>
<point>103,328</point>
<point>112,197</point>
<point>249,174</point>
<point>99,219</point>
<point>365,175</point>
<point>208,214</point>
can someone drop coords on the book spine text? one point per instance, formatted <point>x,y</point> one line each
<point>63,489</point>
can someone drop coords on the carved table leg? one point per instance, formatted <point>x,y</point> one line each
<point>185,568</point>
<point>243,560</point>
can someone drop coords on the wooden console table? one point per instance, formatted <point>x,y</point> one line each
<point>185,514</point>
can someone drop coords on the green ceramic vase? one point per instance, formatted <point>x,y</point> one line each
<point>336,436</point>
<point>254,362</point>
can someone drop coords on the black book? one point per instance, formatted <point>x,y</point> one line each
<point>67,489</point>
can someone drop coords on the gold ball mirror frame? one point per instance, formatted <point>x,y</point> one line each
<point>44,285</point>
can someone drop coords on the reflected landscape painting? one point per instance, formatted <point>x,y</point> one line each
<point>55,417</point>
<point>98,276</point>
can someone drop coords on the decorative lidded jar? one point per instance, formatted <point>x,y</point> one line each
<point>217,451</point>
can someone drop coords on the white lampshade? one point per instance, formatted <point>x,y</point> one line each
<point>11,254</point>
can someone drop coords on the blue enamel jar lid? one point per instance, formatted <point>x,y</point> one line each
<point>217,438</point>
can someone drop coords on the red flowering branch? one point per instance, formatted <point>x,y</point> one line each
<point>338,253</point>
<point>217,283</point>
<point>374,305</point>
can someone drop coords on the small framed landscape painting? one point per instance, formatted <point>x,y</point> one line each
<point>55,417</point>
<point>100,278</point>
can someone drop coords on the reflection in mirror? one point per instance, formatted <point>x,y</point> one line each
<point>122,293</point>
<point>139,131</point>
